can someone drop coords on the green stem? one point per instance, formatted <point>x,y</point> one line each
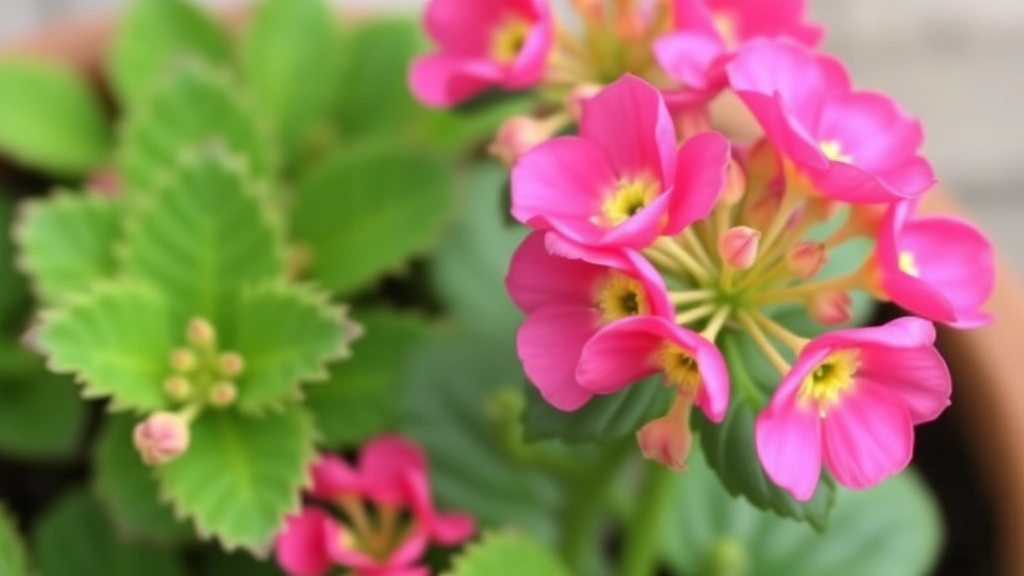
<point>643,532</point>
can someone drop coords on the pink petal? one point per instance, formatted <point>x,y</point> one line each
<point>640,229</point>
<point>850,183</point>
<point>871,128</point>
<point>700,178</point>
<point>912,178</point>
<point>384,462</point>
<point>771,19</point>
<point>536,277</point>
<point>442,80</point>
<point>300,546</point>
<point>409,550</point>
<point>549,344</point>
<point>462,27</point>
<point>444,529</point>
<point>690,57</point>
<point>788,442</point>
<point>332,477</point>
<point>453,529</point>
<point>529,67</point>
<point>620,354</point>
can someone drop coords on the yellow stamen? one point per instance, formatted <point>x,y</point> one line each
<point>680,368</point>
<point>834,152</point>
<point>826,383</point>
<point>629,197</point>
<point>908,264</point>
<point>620,296</point>
<point>508,40</point>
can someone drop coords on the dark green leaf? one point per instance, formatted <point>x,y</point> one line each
<point>12,550</point>
<point>238,563</point>
<point>13,285</point>
<point>41,415</point>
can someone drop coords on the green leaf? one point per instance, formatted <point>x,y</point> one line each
<point>286,334</point>
<point>203,237</point>
<point>288,43</point>
<point>153,35</point>
<point>366,210</point>
<point>361,398</point>
<point>241,475</point>
<point>127,488</point>
<point>471,263</point>
<point>195,105</point>
<point>13,286</point>
<point>220,563</point>
<point>12,550</point>
<point>116,340</point>
<point>50,119</point>
<point>509,554</point>
<point>462,132</point>
<point>41,416</point>
<point>74,538</point>
<point>893,528</point>
<point>66,243</point>
<point>606,417</point>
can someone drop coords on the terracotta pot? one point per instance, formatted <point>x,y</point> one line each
<point>988,393</point>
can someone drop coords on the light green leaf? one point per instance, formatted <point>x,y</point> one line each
<point>893,528</point>
<point>156,34</point>
<point>50,119</point>
<point>194,106</point>
<point>286,334</point>
<point>74,538</point>
<point>66,243</point>
<point>241,475</point>
<point>366,210</point>
<point>508,554</point>
<point>203,237</point>
<point>116,340</point>
<point>12,550</point>
<point>362,396</point>
<point>127,488</point>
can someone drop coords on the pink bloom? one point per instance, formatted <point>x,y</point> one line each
<point>621,182</point>
<point>938,267</point>
<point>634,348</point>
<point>568,292</point>
<point>496,43</point>
<point>161,437</point>
<point>851,401</point>
<point>850,145</point>
<point>392,477</point>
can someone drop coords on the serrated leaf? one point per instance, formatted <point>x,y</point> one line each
<point>50,119</point>
<point>361,398</point>
<point>366,210</point>
<point>74,538</point>
<point>194,105</point>
<point>893,528</point>
<point>286,334</point>
<point>116,340</point>
<point>509,554</point>
<point>154,35</point>
<point>126,486</point>
<point>241,475</point>
<point>13,286</point>
<point>203,237</point>
<point>66,243</point>
<point>12,550</point>
<point>607,417</point>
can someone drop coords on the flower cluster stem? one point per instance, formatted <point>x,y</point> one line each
<point>643,531</point>
<point>761,339</point>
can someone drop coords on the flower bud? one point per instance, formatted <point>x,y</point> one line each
<point>805,259</point>
<point>738,247</point>
<point>667,441</point>
<point>223,394</point>
<point>201,333</point>
<point>161,437</point>
<point>178,388</point>
<point>735,184</point>
<point>231,364</point>
<point>104,182</point>
<point>183,360</point>
<point>762,205</point>
<point>578,96</point>
<point>516,136</point>
<point>691,121</point>
<point>832,308</point>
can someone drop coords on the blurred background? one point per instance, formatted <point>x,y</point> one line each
<point>954,63</point>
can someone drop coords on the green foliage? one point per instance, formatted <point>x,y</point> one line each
<point>12,551</point>
<point>240,475</point>
<point>14,295</point>
<point>50,119</point>
<point>366,210</point>
<point>237,563</point>
<point>66,243</point>
<point>508,554</point>
<point>74,538</point>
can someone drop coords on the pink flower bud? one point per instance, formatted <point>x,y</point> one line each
<point>231,364</point>
<point>738,247</point>
<point>183,360</point>
<point>832,308</point>
<point>691,121</point>
<point>805,259</point>
<point>517,136</point>
<point>104,182</point>
<point>178,388</point>
<point>223,394</point>
<point>666,440</point>
<point>578,96</point>
<point>201,333</point>
<point>161,437</point>
<point>735,184</point>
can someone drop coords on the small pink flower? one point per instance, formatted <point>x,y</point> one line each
<point>851,146</point>
<point>851,401</point>
<point>494,43</point>
<point>568,292</point>
<point>938,267</point>
<point>621,182</point>
<point>667,440</point>
<point>161,437</point>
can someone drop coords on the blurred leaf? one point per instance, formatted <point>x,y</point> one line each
<point>116,340</point>
<point>366,210</point>
<point>41,415</point>
<point>893,528</point>
<point>459,132</point>
<point>241,475</point>
<point>154,35</point>
<point>238,563</point>
<point>13,286</point>
<point>74,538</point>
<point>508,554</point>
<point>127,488</point>
<point>12,551</point>
<point>50,119</point>
<point>361,398</point>
<point>66,243</point>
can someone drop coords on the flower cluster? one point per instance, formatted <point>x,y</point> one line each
<point>655,235</point>
<point>375,520</point>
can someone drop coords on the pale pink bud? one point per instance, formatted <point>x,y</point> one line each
<point>161,437</point>
<point>516,136</point>
<point>578,96</point>
<point>201,333</point>
<point>805,259</point>
<point>231,364</point>
<point>223,394</point>
<point>104,182</point>
<point>667,441</point>
<point>738,246</point>
<point>832,308</point>
<point>178,388</point>
<point>183,360</point>
<point>691,121</point>
<point>735,184</point>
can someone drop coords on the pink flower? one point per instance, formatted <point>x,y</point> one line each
<point>707,33</point>
<point>391,477</point>
<point>621,182</point>
<point>851,401</point>
<point>633,348</point>
<point>568,292</point>
<point>849,145</point>
<point>497,43</point>
<point>938,267</point>
<point>161,437</point>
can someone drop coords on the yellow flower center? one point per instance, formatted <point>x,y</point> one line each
<point>628,198</point>
<point>834,152</point>
<point>621,296</point>
<point>680,368</point>
<point>908,264</point>
<point>827,382</point>
<point>508,40</point>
